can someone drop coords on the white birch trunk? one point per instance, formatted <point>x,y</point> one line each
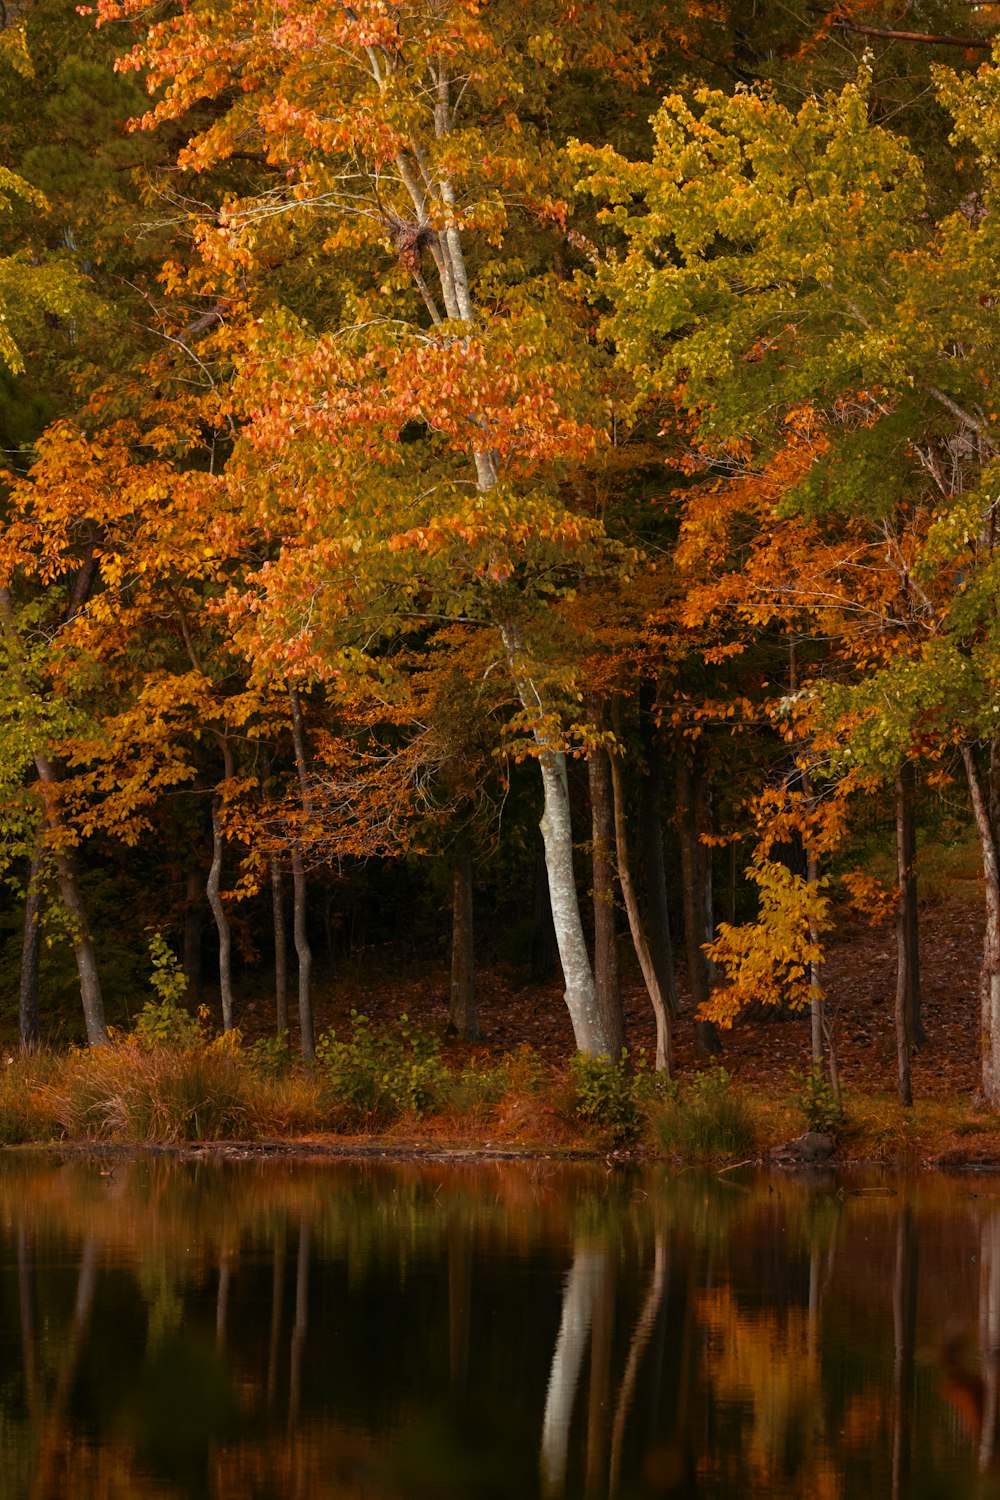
<point>589,1028</point>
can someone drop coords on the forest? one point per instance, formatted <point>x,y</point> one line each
<point>492,489</point>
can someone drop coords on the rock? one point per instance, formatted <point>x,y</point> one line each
<point>805,1150</point>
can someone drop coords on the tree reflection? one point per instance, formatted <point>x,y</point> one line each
<point>498,1332</point>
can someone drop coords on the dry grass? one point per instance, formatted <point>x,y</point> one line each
<point>125,1093</point>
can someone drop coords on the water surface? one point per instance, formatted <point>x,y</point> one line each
<point>265,1329</point>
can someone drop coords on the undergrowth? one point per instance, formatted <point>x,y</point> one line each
<point>705,1116</point>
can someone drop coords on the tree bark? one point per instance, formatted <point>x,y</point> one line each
<point>651,853</point>
<point>696,874</point>
<point>657,1000</point>
<point>606,978</point>
<point>589,1030</point>
<point>904,984</point>
<point>463,1020</point>
<point>989,974</point>
<point>557,833</point>
<point>221,920</point>
<point>907,830</point>
<point>280,950</point>
<point>30,949</point>
<point>307,1039</point>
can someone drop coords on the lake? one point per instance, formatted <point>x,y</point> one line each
<point>279,1328</point>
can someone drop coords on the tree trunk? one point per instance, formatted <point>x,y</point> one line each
<point>904,985</point>
<point>651,853</point>
<point>606,979</point>
<point>696,873</point>
<point>280,950</point>
<point>307,1040</point>
<point>30,946</point>
<point>989,975</point>
<point>192,935</point>
<point>663,1057</point>
<point>221,920</point>
<point>557,832</point>
<point>463,1021</point>
<point>907,866</point>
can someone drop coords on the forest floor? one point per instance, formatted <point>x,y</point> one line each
<point>762,1053</point>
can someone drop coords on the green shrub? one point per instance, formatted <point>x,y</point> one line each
<point>705,1117</point>
<point>606,1095</point>
<point>485,1081</point>
<point>270,1056</point>
<point>379,1073</point>
<point>820,1106</point>
<point>163,1023</point>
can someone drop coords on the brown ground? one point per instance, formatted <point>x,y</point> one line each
<point>859,978</point>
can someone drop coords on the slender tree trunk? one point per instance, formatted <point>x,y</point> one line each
<point>606,978</point>
<point>904,987</point>
<point>906,834</point>
<point>193,924</point>
<point>307,1040</point>
<point>280,950</point>
<point>303,951</point>
<point>557,834</point>
<point>30,950</point>
<point>989,975</point>
<point>463,1021</point>
<point>651,853</point>
<point>657,1000</point>
<point>696,873</point>
<point>221,920</point>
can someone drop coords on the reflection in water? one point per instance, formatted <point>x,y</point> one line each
<point>407,1333</point>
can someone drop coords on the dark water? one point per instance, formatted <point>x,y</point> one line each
<point>260,1330</point>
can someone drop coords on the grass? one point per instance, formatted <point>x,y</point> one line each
<point>706,1117</point>
<point>134,1092</point>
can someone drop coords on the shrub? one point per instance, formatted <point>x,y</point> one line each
<point>606,1095</point>
<point>822,1109</point>
<point>162,1023</point>
<point>706,1117</point>
<point>379,1073</point>
<point>484,1081</point>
